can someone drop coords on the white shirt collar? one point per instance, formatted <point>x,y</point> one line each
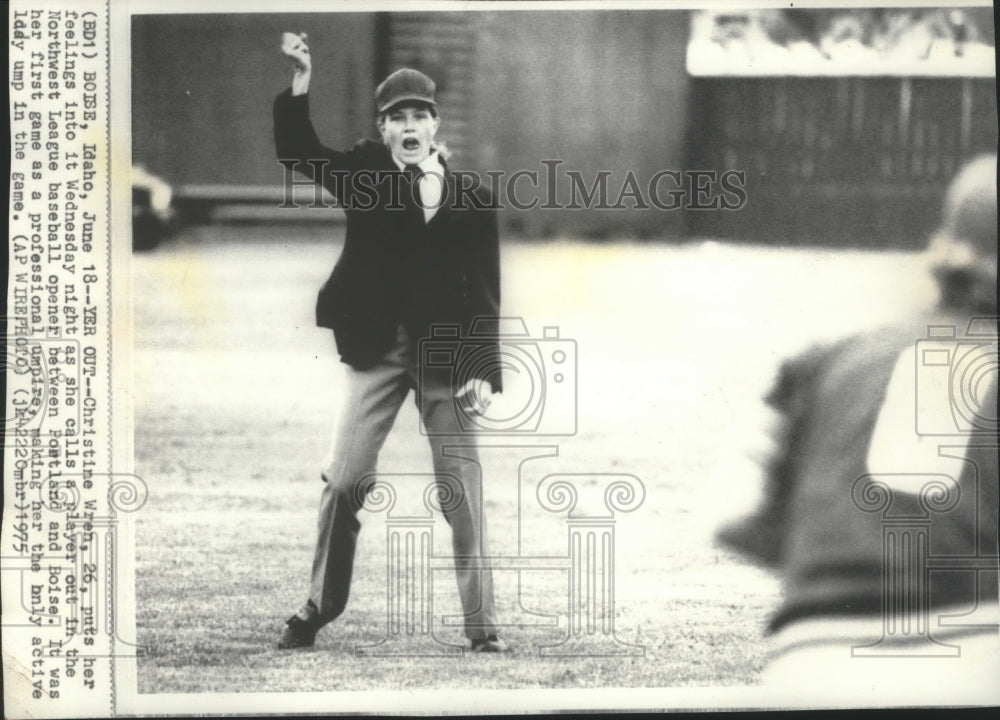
<point>431,163</point>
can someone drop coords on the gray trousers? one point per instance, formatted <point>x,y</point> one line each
<point>374,397</point>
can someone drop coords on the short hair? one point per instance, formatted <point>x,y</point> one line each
<point>963,251</point>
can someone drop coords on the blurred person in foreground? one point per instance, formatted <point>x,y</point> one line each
<point>416,255</point>
<point>880,499</point>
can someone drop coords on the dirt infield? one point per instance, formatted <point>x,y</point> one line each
<point>235,392</point>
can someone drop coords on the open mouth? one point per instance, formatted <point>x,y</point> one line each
<point>411,144</point>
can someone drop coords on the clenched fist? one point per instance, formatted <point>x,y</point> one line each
<point>295,49</point>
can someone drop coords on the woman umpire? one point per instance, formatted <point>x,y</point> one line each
<point>417,254</point>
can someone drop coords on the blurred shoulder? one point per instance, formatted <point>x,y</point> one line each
<point>863,353</point>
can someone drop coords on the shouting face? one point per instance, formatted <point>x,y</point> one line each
<point>409,131</point>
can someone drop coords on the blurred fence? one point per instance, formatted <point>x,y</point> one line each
<point>861,161</point>
<point>848,160</point>
<point>597,91</point>
<point>443,45</point>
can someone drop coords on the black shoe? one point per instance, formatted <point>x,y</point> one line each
<point>491,644</point>
<point>301,628</point>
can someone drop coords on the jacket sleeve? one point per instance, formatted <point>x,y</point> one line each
<point>297,144</point>
<point>762,536</point>
<point>484,282</point>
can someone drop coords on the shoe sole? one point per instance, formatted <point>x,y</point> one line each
<point>490,648</point>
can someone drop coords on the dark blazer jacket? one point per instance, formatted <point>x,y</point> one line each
<point>394,268</point>
<point>829,546</point>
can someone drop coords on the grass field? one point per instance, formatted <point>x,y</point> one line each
<point>236,391</point>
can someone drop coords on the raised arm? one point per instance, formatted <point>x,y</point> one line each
<point>294,135</point>
<point>294,47</point>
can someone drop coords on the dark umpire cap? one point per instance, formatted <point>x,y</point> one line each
<point>405,85</point>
